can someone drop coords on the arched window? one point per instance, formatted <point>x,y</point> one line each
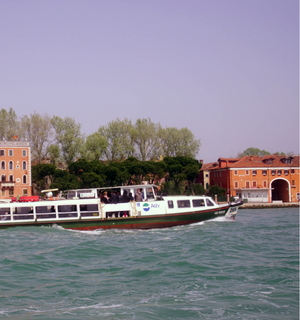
<point>24,179</point>
<point>11,178</point>
<point>24,165</point>
<point>3,178</point>
<point>3,165</point>
<point>10,165</point>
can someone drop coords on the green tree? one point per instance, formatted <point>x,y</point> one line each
<point>63,180</point>
<point>42,175</point>
<point>94,147</point>
<point>216,190</point>
<point>119,140</point>
<point>68,137</point>
<point>181,171</point>
<point>54,154</point>
<point>146,138</point>
<point>253,152</point>
<point>178,142</point>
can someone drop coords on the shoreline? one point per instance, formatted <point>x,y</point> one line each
<point>270,205</point>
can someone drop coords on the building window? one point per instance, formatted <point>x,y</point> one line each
<point>3,178</point>
<point>247,184</point>
<point>264,172</point>
<point>24,179</point>
<point>236,184</point>
<point>24,153</point>
<point>24,165</point>
<point>235,172</point>
<point>10,152</point>
<point>25,192</point>
<point>292,171</point>
<point>265,184</point>
<point>286,172</point>
<point>254,172</point>
<point>3,165</point>
<point>2,152</point>
<point>293,183</point>
<point>11,192</point>
<point>11,178</point>
<point>10,165</point>
<point>247,172</point>
<point>273,172</point>
<point>254,185</point>
<point>279,172</point>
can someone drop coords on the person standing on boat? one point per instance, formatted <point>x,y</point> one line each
<point>104,198</point>
<point>125,197</point>
<point>130,196</point>
<point>138,197</point>
<point>114,198</point>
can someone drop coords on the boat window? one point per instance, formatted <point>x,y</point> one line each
<point>198,203</point>
<point>45,209</point>
<point>5,214</point>
<point>149,193</point>
<point>209,203</point>
<point>183,203</point>
<point>69,211</point>
<point>71,194</point>
<point>23,213</point>
<point>170,204</point>
<point>117,214</point>
<point>45,212</point>
<point>89,210</point>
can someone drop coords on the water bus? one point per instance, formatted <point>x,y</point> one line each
<point>86,209</point>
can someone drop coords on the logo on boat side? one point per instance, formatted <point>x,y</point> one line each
<point>146,207</point>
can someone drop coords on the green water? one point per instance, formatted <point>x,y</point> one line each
<point>247,269</point>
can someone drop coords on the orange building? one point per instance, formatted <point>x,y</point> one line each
<point>256,179</point>
<point>15,169</point>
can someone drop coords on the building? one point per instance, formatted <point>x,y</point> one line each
<point>15,169</point>
<point>256,179</point>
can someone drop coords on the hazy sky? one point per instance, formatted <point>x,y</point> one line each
<point>226,69</point>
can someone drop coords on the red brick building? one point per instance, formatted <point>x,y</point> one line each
<point>15,169</point>
<point>254,178</point>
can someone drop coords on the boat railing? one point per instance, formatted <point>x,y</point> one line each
<point>65,210</point>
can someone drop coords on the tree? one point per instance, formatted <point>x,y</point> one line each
<point>253,152</point>
<point>181,170</point>
<point>9,125</point>
<point>178,142</point>
<point>68,137</point>
<point>38,131</point>
<point>54,154</point>
<point>216,190</point>
<point>146,138</point>
<point>63,180</point>
<point>119,142</point>
<point>94,147</point>
<point>42,174</point>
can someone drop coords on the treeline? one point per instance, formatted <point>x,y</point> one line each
<point>61,140</point>
<point>177,173</point>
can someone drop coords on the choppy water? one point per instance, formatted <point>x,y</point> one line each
<point>247,269</point>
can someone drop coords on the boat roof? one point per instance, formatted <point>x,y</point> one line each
<point>132,186</point>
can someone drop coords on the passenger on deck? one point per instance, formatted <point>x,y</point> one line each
<point>130,197</point>
<point>138,197</point>
<point>125,197</point>
<point>104,198</point>
<point>114,198</point>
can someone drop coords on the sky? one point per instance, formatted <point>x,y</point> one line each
<point>228,70</point>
